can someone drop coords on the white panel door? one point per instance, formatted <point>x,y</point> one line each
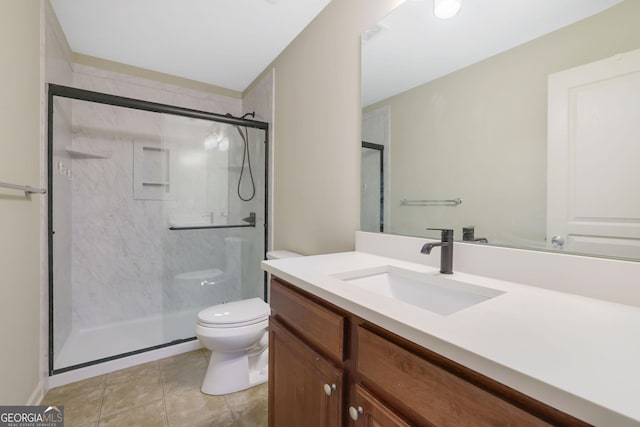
<point>593,165</point>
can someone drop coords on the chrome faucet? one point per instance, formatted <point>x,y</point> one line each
<point>446,250</point>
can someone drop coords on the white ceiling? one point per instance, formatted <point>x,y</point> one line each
<point>412,46</point>
<point>226,43</point>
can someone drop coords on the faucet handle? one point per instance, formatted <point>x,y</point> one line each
<point>447,233</point>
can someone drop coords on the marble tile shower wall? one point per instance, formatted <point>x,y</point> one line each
<point>124,257</point>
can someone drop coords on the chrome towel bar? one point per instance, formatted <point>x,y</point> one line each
<point>27,189</point>
<point>454,202</point>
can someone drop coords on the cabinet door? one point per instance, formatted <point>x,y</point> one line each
<point>304,388</point>
<point>368,411</point>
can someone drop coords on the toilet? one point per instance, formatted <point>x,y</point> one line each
<point>236,334</point>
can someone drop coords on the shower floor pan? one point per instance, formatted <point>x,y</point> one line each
<point>88,345</point>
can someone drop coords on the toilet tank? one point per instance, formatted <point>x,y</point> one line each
<point>199,278</point>
<point>197,289</point>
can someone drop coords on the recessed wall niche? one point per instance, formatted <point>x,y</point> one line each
<point>154,171</point>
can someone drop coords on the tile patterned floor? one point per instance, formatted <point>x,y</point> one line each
<point>161,393</point>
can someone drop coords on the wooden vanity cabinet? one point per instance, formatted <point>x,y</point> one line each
<point>306,351</point>
<point>328,367</point>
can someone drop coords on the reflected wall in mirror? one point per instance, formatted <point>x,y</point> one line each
<point>527,111</point>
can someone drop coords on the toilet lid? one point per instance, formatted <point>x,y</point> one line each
<point>238,312</point>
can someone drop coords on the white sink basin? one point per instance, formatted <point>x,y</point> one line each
<point>435,292</point>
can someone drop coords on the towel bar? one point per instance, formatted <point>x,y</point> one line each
<point>454,202</point>
<point>27,189</point>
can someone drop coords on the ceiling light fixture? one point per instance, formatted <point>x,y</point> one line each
<point>445,9</point>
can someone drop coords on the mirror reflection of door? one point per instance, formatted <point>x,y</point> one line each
<point>372,188</point>
<point>593,157</point>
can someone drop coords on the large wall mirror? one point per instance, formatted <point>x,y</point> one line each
<point>515,121</point>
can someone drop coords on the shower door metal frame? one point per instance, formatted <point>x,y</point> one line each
<point>136,104</point>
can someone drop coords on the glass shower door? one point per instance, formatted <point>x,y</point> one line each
<point>215,220</point>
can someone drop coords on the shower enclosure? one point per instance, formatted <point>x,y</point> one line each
<point>155,212</point>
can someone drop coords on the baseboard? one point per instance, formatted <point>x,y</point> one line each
<point>37,395</point>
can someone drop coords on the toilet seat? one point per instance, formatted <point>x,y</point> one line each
<point>234,314</point>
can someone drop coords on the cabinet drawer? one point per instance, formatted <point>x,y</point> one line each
<point>320,326</point>
<point>434,394</point>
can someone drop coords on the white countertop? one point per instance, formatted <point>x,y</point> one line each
<point>578,354</point>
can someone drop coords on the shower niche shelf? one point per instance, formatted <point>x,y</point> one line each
<point>154,183</point>
<point>80,153</point>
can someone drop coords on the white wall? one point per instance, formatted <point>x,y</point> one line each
<point>20,157</point>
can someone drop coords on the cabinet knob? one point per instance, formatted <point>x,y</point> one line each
<point>328,389</point>
<point>354,413</point>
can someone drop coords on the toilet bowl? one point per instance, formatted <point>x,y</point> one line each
<point>236,334</point>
